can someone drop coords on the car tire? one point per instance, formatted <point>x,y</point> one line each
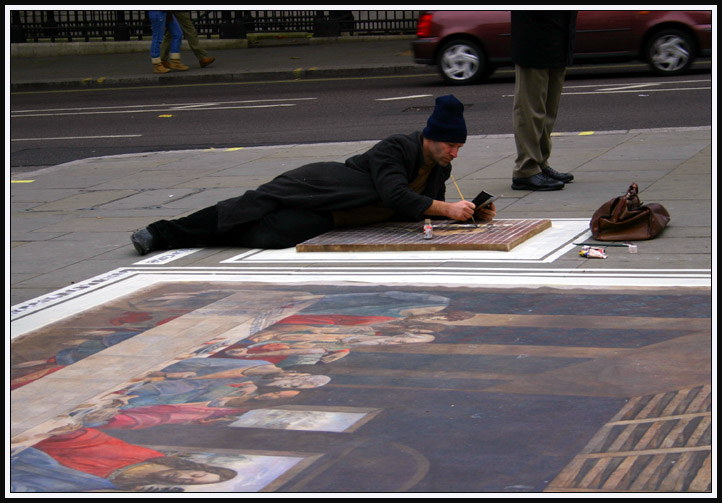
<point>670,52</point>
<point>462,62</point>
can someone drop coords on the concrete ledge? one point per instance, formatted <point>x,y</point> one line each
<point>358,38</point>
<point>277,39</point>
<point>51,49</point>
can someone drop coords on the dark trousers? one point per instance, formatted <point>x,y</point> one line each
<point>283,228</point>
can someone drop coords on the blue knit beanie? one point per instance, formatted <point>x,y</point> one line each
<point>447,122</point>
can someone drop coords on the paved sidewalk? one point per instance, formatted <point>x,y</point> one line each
<point>72,222</point>
<point>345,57</point>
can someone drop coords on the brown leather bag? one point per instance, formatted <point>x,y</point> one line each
<point>625,218</point>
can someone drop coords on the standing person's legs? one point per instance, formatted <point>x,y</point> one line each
<point>532,129</point>
<point>555,82</point>
<point>530,97</point>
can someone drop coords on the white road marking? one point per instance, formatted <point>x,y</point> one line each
<point>631,88</point>
<point>149,110</point>
<point>164,107</point>
<point>665,82</point>
<point>163,104</point>
<point>404,97</point>
<point>637,90</point>
<point>197,105</point>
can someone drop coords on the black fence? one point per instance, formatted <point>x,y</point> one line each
<point>83,25</point>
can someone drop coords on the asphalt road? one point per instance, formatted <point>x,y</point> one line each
<point>52,128</point>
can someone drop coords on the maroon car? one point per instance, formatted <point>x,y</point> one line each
<point>468,45</point>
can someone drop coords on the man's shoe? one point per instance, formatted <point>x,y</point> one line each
<point>562,177</point>
<point>206,61</point>
<point>540,181</point>
<point>177,64</point>
<point>159,68</point>
<point>143,241</point>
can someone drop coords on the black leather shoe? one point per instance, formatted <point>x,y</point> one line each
<point>562,177</point>
<point>540,181</point>
<point>143,241</point>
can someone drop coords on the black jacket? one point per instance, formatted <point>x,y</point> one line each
<point>543,39</point>
<point>379,176</point>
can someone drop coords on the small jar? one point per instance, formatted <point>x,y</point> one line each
<point>428,229</point>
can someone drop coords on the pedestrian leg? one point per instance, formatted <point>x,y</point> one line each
<point>175,44</point>
<point>530,98</point>
<point>553,98</point>
<point>157,22</point>
<point>190,34</point>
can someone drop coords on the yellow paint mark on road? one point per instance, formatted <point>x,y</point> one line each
<point>22,181</point>
<point>586,133</point>
<point>234,149</point>
<point>90,80</point>
<point>165,115</point>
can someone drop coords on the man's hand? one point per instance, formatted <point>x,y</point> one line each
<point>461,210</point>
<point>485,214</point>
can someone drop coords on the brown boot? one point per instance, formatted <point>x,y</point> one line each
<point>176,63</point>
<point>206,61</point>
<point>158,66</point>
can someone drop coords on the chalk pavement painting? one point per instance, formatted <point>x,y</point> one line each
<point>246,388</point>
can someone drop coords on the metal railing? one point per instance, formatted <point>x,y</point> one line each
<point>120,25</point>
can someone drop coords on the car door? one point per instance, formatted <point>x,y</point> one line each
<point>603,32</point>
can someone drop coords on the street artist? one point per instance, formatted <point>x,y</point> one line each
<point>401,178</point>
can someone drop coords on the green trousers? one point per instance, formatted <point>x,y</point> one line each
<point>189,33</point>
<point>537,93</point>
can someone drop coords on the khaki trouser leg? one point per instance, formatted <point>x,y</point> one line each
<point>189,33</point>
<point>537,94</point>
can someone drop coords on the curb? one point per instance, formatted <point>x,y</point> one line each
<point>210,79</point>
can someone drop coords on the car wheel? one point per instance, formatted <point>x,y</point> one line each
<point>670,52</point>
<point>462,62</point>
